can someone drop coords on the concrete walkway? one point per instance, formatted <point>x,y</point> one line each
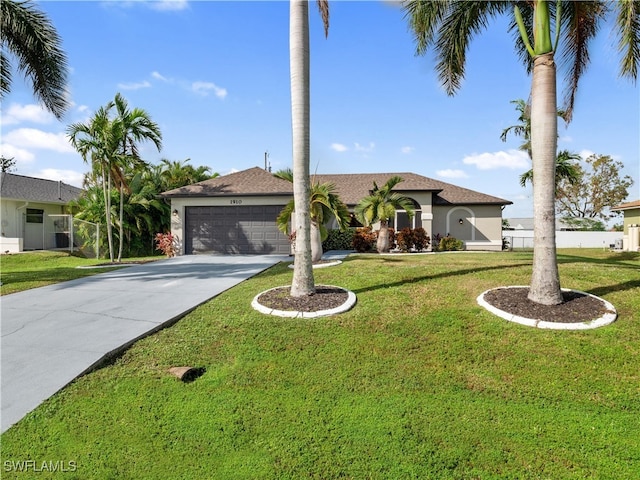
<point>53,334</point>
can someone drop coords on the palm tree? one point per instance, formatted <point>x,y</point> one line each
<point>303,282</point>
<point>28,34</point>
<point>566,169</point>
<point>380,206</point>
<point>324,205</point>
<point>522,129</point>
<point>131,126</point>
<point>176,174</point>
<point>96,143</point>
<point>565,166</point>
<point>450,25</point>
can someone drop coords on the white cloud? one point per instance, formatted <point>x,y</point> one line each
<point>339,147</point>
<point>159,76</point>
<point>134,85</point>
<point>362,148</point>
<point>451,173</point>
<point>204,88</point>
<point>70,177</point>
<point>17,113</point>
<point>586,153</point>
<point>169,5</point>
<point>407,150</point>
<point>21,155</point>
<point>33,138</point>
<point>513,159</point>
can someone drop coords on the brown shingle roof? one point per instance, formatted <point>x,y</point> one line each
<point>352,187</point>
<point>626,206</point>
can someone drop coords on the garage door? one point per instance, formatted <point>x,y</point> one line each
<point>234,229</point>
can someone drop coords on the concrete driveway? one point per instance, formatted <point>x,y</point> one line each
<point>53,334</point>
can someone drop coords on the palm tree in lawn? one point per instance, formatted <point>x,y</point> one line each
<point>28,34</point>
<point>324,205</point>
<point>450,25</point>
<point>97,144</point>
<point>381,206</point>
<point>131,127</point>
<point>303,282</point>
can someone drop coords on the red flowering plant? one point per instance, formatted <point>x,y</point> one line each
<point>166,243</point>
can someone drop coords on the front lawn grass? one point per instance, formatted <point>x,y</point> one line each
<point>24,271</point>
<point>416,381</point>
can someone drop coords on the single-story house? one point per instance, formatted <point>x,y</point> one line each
<point>236,213</point>
<point>631,237</point>
<point>28,209</point>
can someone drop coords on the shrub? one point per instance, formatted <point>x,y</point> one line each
<point>449,244</point>
<point>339,240</point>
<point>405,239</point>
<point>166,243</point>
<point>409,239</point>
<point>420,239</point>
<point>364,240</point>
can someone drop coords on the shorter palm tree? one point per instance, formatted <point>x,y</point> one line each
<point>566,169</point>
<point>324,205</point>
<point>381,206</point>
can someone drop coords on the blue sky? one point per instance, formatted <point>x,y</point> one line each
<point>215,77</point>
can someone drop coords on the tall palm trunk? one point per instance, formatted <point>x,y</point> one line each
<point>316,242</point>
<point>121,226</point>
<point>545,280</point>
<point>106,188</point>
<point>303,282</point>
<point>382,243</point>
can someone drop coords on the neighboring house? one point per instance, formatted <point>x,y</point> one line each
<point>631,238</point>
<point>26,206</point>
<point>236,213</point>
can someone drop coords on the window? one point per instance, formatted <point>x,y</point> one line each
<point>35,216</point>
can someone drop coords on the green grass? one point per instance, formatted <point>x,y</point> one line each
<point>417,381</point>
<point>24,271</point>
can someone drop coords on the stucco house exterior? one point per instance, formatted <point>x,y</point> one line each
<point>631,234</point>
<point>26,206</point>
<point>236,213</point>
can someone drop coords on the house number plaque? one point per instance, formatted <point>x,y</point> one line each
<point>235,201</point>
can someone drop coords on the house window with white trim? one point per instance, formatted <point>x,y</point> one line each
<point>35,215</point>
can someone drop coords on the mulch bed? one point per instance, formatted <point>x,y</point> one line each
<point>576,307</point>
<point>325,298</point>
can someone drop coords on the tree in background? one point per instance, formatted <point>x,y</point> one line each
<point>176,174</point>
<point>567,169</point>
<point>381,206</point>
<point>449,26</point>
<point>598,187</point>
<point>324,206</point>
<point>565,161</point>
<point>7,164</point>
<point>28,34</point>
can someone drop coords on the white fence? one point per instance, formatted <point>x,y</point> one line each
<point>524,239</point>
